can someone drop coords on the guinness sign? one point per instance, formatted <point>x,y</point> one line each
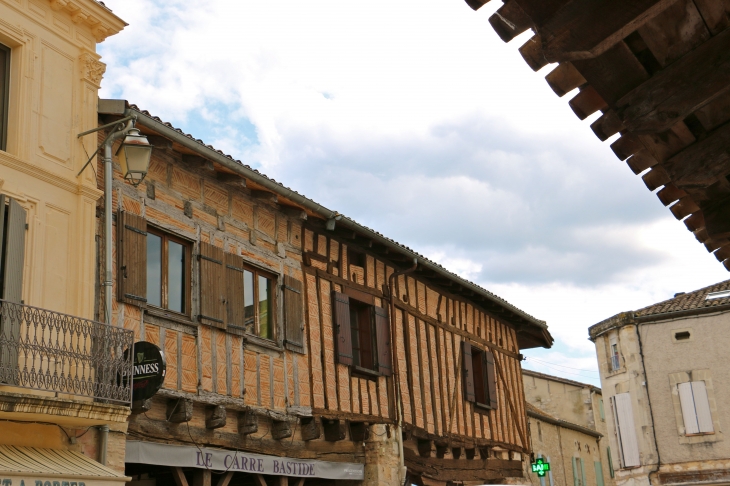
<point>148,371</point>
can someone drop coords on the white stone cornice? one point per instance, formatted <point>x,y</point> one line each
<point>101,21</point>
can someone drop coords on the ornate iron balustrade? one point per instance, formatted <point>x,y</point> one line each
<point>50,351</point>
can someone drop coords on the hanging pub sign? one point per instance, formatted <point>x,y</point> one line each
<point>148,370</point>
<point>540,467</point>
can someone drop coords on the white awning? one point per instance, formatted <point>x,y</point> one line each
<point>33,466</point>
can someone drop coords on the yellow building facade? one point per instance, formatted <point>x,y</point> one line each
<point>59,387</point>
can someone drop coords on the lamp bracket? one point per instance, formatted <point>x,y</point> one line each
<point>118,129</point>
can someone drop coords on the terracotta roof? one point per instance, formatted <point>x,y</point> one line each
<point>560,379</point>
<point>688,301</point>
<point>246,168</point>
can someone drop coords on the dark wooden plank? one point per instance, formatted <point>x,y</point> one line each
<point>683,87</point>
<point>586,28</point>
<point>565,78</point>
<point>669,194</point>
<point>614,73</point>
<point>684,207</point>
<point>510,21</point>
<point>703,162</point>
<point>717,219</point>
<point>461,469</point>
<point>532,53</point>
<point>587,102</point>
<point>608,125</point>
<point>540,11</point>
<point>674,32</point>
<point>715,13</point>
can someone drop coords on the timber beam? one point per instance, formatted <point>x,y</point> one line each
<point>334,430</point>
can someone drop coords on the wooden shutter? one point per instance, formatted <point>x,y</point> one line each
<point>702,407</point>
<point>234,291</point>
<point>132,259</point>
<point>212,286</point>
<point>293,314</point>
<point>610,461</point>
<point>576,481</point>
<point>382,334</point>
<point>583,473</point>
<point>626,429</point>
<point>468,371</point>
<point>491,379</point>
<point>14,257</point>
<point>341,304</point>
<point>599,473</point>
<point>688,409</point>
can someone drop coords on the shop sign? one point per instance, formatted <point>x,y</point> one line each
<point>239,461</point>
<point>540,467</point>
<point>148,370</point>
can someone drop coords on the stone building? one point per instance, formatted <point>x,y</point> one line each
<point>568,430</point>
<point>295,336</point>
<point>663,370</point>
<point>62,411</point>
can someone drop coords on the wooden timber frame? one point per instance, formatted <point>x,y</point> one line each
<point>300,393</point>
<point>658,71</point>
<point>431,321</point>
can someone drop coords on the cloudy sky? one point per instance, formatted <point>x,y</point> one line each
<point>414,118</point>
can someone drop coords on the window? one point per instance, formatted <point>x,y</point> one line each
<point>168,264</point>
<point>4,94</point>
<point>479,379</point>
<point>615,361</point>
<point>601,410</point>
<point>12,250</point>
<point>363,332</point>
<point>579,472</point>
<point>258,303</point>
<point>625,430</point>
<point>695,408</point>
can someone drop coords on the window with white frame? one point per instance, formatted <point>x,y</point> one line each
<point>695,408</point>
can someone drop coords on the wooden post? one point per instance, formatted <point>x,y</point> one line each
<point>225,479</point>
<point>202,477</point>
<point>260,481</point>
<point>177,474</point>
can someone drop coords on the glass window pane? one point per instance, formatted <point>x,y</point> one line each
<point>248,318</point>
<point>264,298</point>
<point>154,270</point>
<point>175,277</point>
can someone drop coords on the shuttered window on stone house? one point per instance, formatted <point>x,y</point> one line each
<point>12,258</point>
<point>625,430</point>
<point>479,379</point>
<point>4,94</point>
<point>695,408</point>
<point>362,332</point>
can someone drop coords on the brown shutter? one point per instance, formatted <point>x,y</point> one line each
<point>293,315</point>
<point>212,286</point>
<point>468,371</point>
<point>234,291</point>
<point>132,259</point>
<point>341,304</point>
<point>382,333</point>
<point>491,379</point>
<point>14,253</point>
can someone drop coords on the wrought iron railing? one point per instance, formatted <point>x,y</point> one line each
<point>49,351</point>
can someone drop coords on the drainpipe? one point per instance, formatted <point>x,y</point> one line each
<point>648,402</point>
<point>396,381</point>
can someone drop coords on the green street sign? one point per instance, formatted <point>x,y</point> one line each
<point>540,467</point>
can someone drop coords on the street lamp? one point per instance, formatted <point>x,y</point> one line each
<point>134,157</point>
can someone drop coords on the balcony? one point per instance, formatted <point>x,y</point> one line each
<point>52,352</point>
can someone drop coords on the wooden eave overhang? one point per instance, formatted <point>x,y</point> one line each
<point>531,332</point>
<point>658,71</point>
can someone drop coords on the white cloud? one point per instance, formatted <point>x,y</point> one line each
<point>415,119</point>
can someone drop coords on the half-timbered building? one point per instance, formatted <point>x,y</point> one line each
<point>300,345</point>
